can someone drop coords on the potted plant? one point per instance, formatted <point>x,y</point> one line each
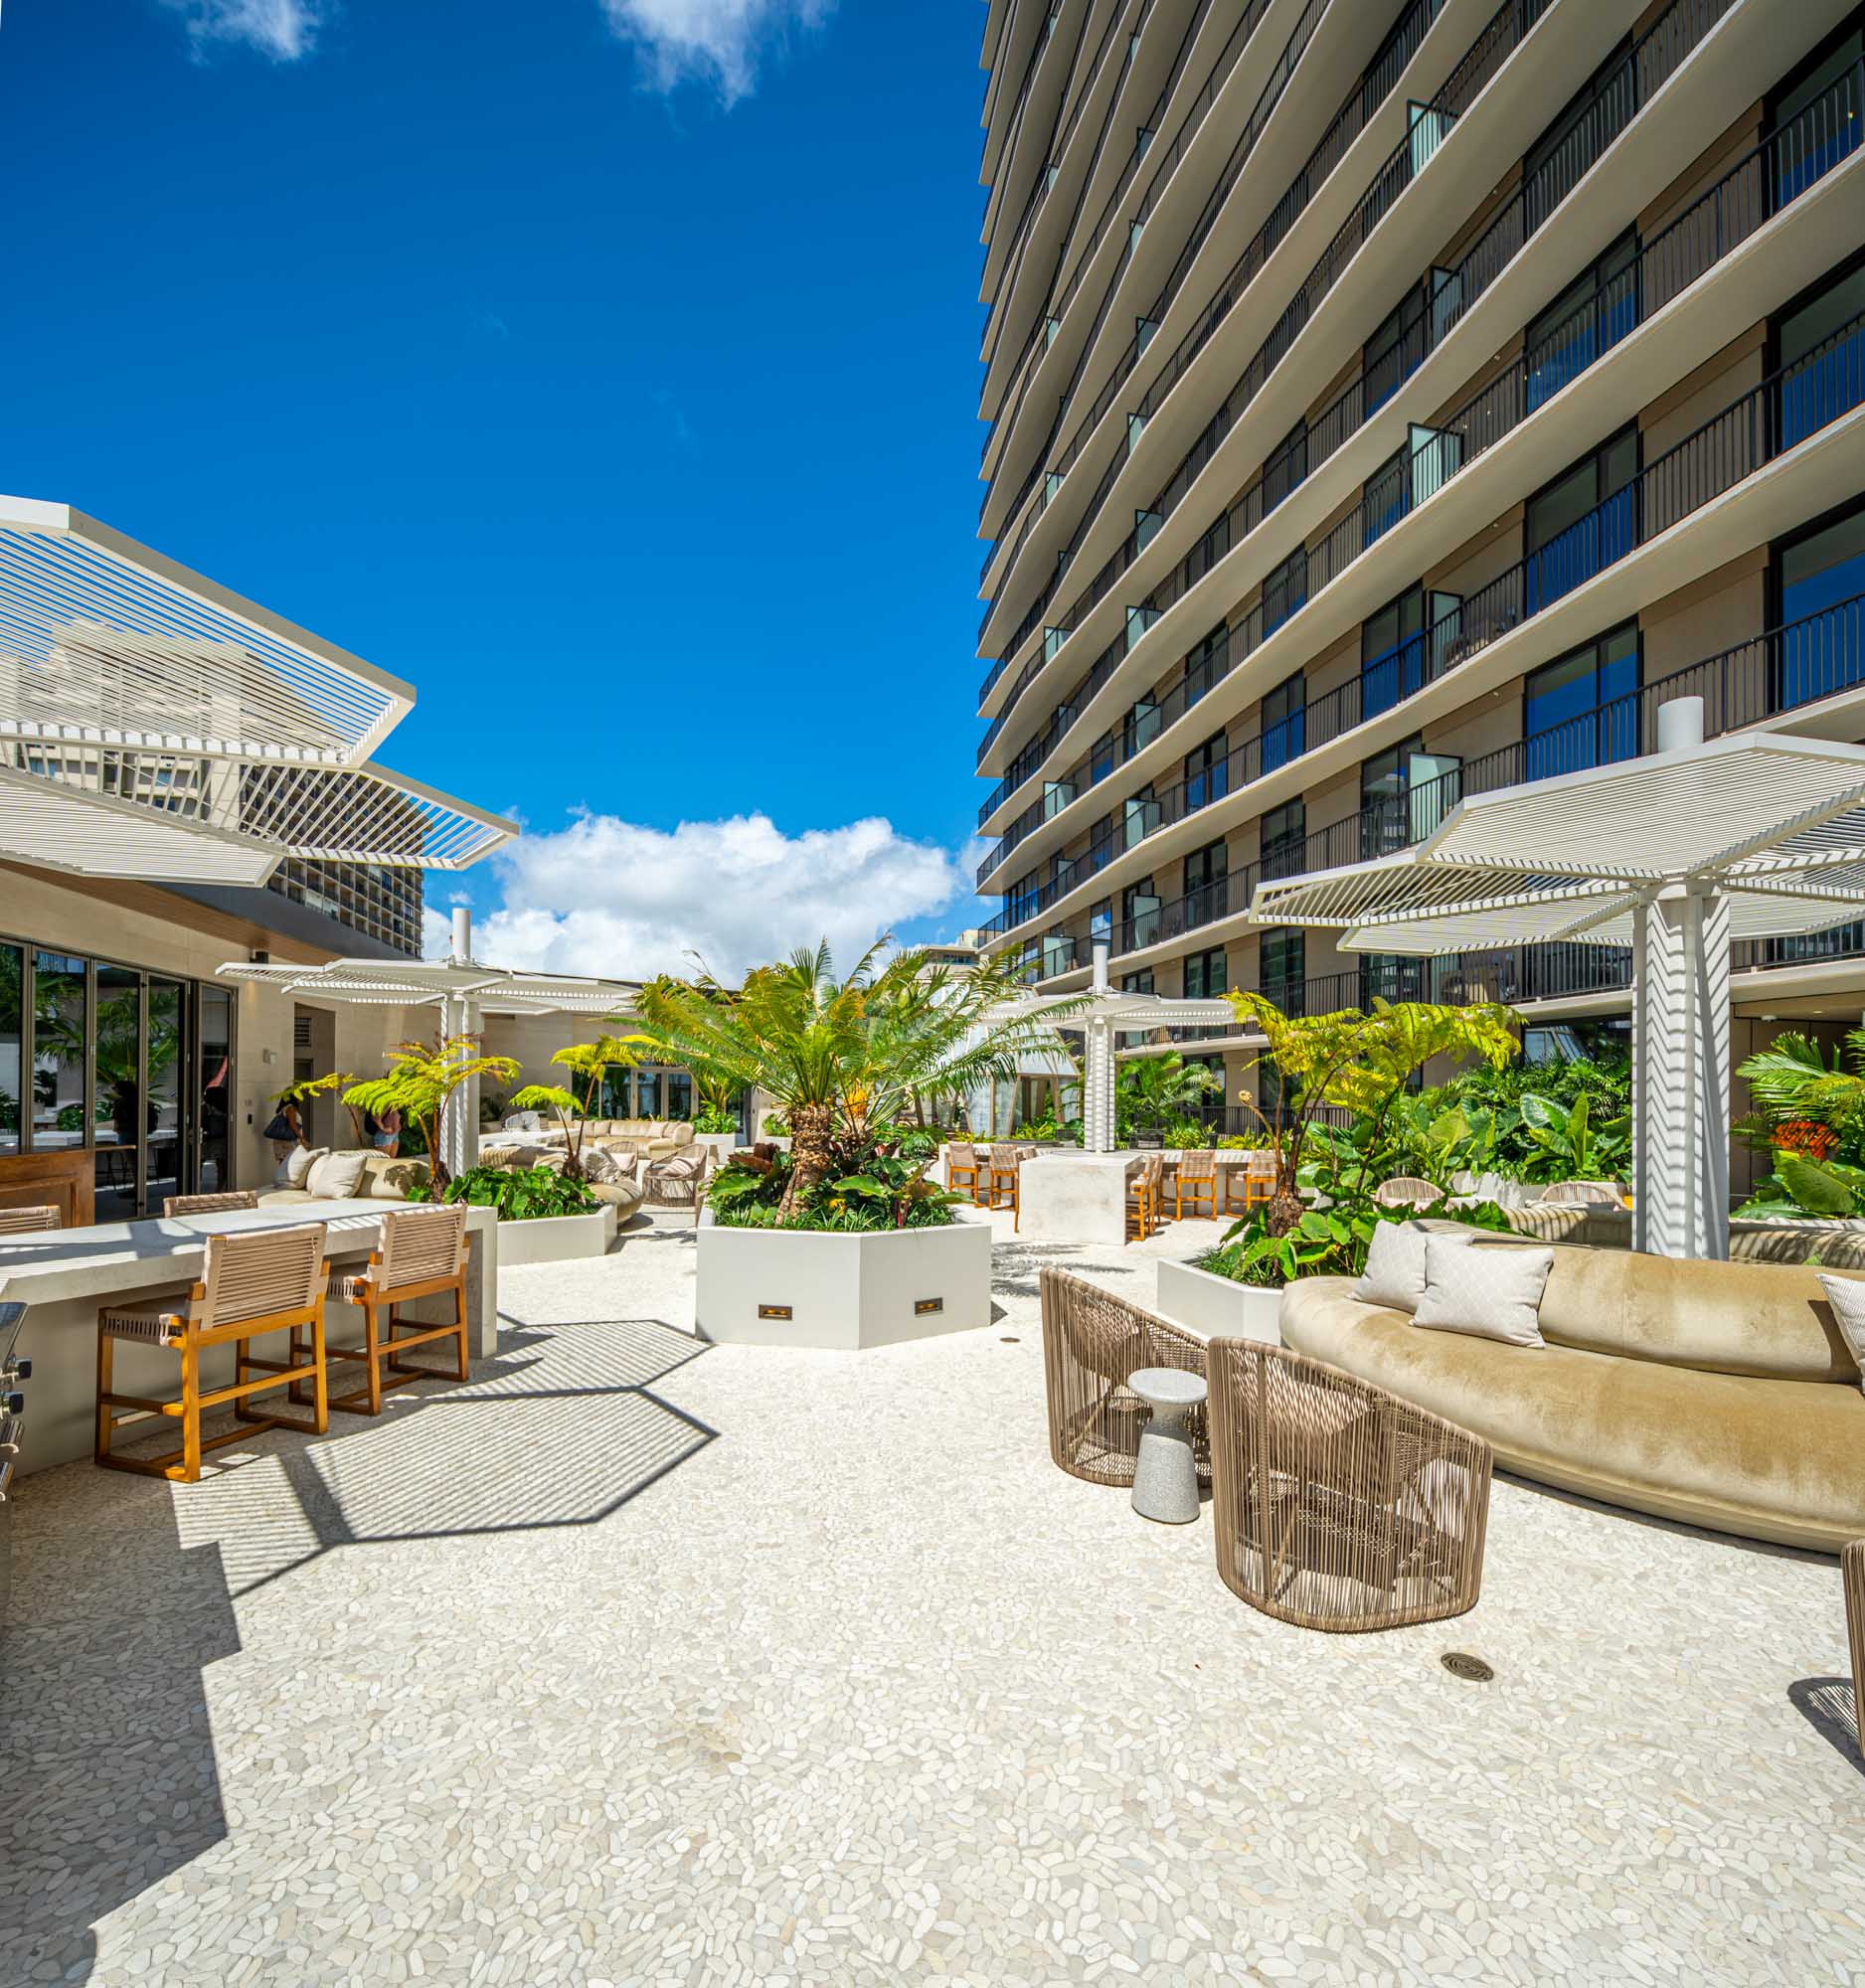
<point>422,1081</point>
<point>546,1214</point>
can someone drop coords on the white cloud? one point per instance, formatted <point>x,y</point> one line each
<point>724,40</point>
<point>607,897</point>
<point>284,30</point>
<point>437,933</point>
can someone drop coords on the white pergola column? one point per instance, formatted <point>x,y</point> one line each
<point>1680,1075</point>
<point>1098,1110</point>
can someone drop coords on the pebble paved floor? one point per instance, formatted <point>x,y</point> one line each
<point>637,1662</point>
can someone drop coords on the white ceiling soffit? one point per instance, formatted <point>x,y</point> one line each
<point>56,827</point>
<point>104,639</point>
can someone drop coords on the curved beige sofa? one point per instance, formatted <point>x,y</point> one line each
<point>1718,1394</point>
<point>384,1178</point>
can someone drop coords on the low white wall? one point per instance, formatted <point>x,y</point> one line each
<point>557,1238</point>
<point>1216,1307</point>
<point>842,1291</point>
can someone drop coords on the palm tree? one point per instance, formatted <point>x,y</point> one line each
<point>422,1078</point>
<point>842,1054</point>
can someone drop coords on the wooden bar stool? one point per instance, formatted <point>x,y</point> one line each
<point>1256,1177</point>
<point>209,1204</point>
<point>1143,1185</point>
<point>962,1171</point>
<point>272,1281</point>
<point>1196,1182</point>
<point>22,1220</point>
<point>422,1253</point>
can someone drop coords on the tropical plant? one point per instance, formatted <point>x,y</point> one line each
<point>841,1055</point>
<point>1481,1120</point>
<point>879,1182</point>
<point>719,1106</point>
<point>423,1077</point>
<point>1152,1093</point>
<point>1360,1063</point>
<point>1330,1241</point>
<point>589,1061</point>
<point>1809,1116</point>
<point>520,1194</point>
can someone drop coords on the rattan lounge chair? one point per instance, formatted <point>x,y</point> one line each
<point>1407,1191</point>
<point>1338,1505</point>
<point>1593,1193</point>
<point>1091,1342</point>
<point>209,1204</point>
<point>22,1220</point>
<point>272,1281</point>
<point>423,1253</point>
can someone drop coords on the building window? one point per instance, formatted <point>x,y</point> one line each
<point>1281,966</point>
<point>1393,352</point>
<point>1392,653</point>
<point>1557,161</point>
<point>1206,665</point>
<point>1818,354</point>
<point>1207,773</point>
<point>1139,915</point>
<point>1139,728</point>
<point>1582,521</point>
<point>1284,721</point>
<point>1285,590</point>
<point>1284,833</point>
<point>1588,318</point>
<point>1205,872</point>
<point>1581,710</point>
<point>1386,497</point>
<point>1205,977</point>
<point>1286,467</point>
<point>1138,983</point>
<point>1815,114</point>
<point>1819,578</point>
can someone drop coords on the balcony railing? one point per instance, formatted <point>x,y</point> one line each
<point>1747,195</point>
<point>1445,295</point>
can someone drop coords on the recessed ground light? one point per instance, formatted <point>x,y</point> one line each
<point>1011,1339</point>
<point>1461,1665</point>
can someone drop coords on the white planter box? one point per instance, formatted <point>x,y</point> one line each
<point>842,1291</point>
<point>722,1145</point>
<point>1217,1308</point>
<point>558,1239</point>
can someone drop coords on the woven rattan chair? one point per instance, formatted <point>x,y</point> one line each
<point>963,1174</point>
<point>1196,1182</point>
<point>423,1253</point>
<point>1091,1342</point>
<point>1853,1573</point>
<point>679,1180</point>
<point>1338,1505</point>
<point>1601,1193</point>
<point>23,1220</point>
<point>209,1204</point>
<point>272,1281</point>
<point>1406,1191</point>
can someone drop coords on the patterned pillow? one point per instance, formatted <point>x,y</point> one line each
<point>1394,1268</point>
<point>299,1161</point>
<point>1848,1309</point>
<point>1488,1293</point>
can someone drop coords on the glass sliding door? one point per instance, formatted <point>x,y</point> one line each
<point>61,1034</point>
<point>117,1086</point>
<point>213,1172</point>
<point>164,1119</point>
<point>12,1044</point>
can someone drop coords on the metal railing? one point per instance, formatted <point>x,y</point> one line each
<point>1444,298</point>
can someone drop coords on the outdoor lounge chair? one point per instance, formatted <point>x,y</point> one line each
<point>423,1253</point>
<point>679,1181</point>
<point>1406,1191</point>
<point>1091,1342</point>
<point>272,1281</point>
<point>1338,1506</point>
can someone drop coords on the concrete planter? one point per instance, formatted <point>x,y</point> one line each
<point>557,1238</point>
<point>1215,1306</point>
<point>775,1287</point>
<point>722,1145</point>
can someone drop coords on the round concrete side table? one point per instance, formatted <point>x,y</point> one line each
<point>1165,1474</point>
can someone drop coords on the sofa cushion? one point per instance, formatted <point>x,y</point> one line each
<point>299,1161</point>
<point>385,1178</point>
<point>1488,1293</point>
<point>1848,1297</point>
<point>285,1197</point>
<point>337,1176</point>
<point>1761,1457</point>
<point>1394,1268</point>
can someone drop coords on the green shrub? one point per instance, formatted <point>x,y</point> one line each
<point>520,1194</point>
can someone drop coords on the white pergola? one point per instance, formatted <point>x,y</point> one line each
<point>462,991</point>
<point>1674,856</point>
<point>1101,1014</point>
<point>154,724</point>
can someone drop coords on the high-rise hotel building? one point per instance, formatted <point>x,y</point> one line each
<point>1388,401</point>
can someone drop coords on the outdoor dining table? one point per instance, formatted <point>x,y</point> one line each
<point>64,1276</point>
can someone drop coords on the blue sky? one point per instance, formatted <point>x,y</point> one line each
<point>604,367</point>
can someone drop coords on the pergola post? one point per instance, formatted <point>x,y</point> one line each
<point>1098,1109</point>
<point>1680,1075</point>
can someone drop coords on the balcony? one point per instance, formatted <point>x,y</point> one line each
<point>1446,298</point>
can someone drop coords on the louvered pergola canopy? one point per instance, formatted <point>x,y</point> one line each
<point>1673,856</point>
<point>128,681</point>
<point>416,983</point>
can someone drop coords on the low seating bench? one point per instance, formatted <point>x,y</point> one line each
<point>1721,1394</point>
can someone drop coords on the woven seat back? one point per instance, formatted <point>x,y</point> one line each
<point>1404,1190</point>
<point>269,1270</point>
<point>962,1153</point>
<point>421,1244</point>
<point>209,1204</point>
<point>20,1220</point>
<point>1593,1193</point>
<point>1199,1163</point>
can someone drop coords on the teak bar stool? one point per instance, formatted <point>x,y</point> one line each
<point>1196,1182</point>
<point>22,1220</point>
<point>961,1168</point>
<point>209,1204</point>
<point>272,1281</point>
<point>422,1253</point>
<point>1144,1186</point>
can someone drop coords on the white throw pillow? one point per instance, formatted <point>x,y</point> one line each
<point>1394,1268</point>
<point>299,1161</point>
<point>336,1176</point>
<point>1848,1308</point>
<point>1492,1293</point>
